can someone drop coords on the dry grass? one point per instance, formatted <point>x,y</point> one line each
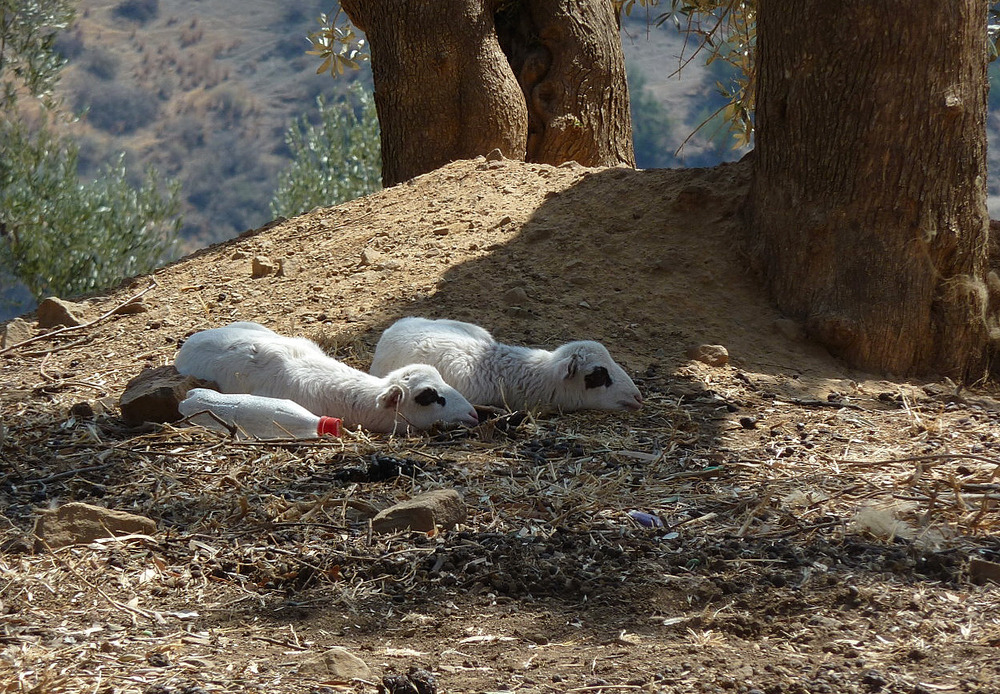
<point>802,521</point>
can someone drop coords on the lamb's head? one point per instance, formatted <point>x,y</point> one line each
<point>592,380</point>
<point>421,398</point>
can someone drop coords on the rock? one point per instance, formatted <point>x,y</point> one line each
<point>790,329</point>
<point>416,681</point>
<point>495,155</point>
<point>53,312</point>
<point>335,662</point>
<point>82,409</point>
<point>424,512</point>
<point>261,266</point>
<point>692,198</point>
<point>981,571</point>
<point>79,523</point>
<point>287,267</point>
<point>515,297</point>
<point>132,307</point>
<point>713,355</point>
<point>370,256</point>
<point>16,330</point>
<point>154,394</point>
<point>518,312</point>
<point>456,228</point>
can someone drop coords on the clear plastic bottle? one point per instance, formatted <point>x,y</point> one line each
<point>255,416</point>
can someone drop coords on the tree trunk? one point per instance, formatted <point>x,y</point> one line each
<point>445,90</point>
<point>568,58</point>
<point>868,207</point>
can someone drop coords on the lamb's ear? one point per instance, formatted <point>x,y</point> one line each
<point>390,397</point>
<point>570,365</point>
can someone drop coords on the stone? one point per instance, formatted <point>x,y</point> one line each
<point>515,297</point>
<point>261,266</point>
<point>692,198</point>
<point>423,513</point>
<point>981,570</point>
<point>153,395</point>
<point>53,312</point>
<point>335,662</point>
<point>792,330</point>
<point>17,330</point>
<point>713,355</point>
<point>370,256</point>
<point>456,228</point>
<point>415,681</point>
<point>132,307</point>
<point>82,409</point>
<point>78,523</point>
<point>287,267</point>
<point>495,155</point>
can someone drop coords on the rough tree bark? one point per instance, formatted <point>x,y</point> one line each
<point>445,90</point>
<point>568,59</point>
<point>868,207</point>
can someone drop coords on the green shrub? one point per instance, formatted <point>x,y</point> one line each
<point>141,11</point>
<point>100,63</point>
<point>117,108</point>
<point>60,234</point>
<point>67,237</point>
<point>69,44</point>
<point>337,159</point>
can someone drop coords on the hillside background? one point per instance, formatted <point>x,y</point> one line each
<point>206,95</point>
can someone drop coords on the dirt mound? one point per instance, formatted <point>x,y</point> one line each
<point>778,523</point>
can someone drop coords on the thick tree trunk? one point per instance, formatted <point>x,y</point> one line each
<point>868,207</point>
<point>443,88</point>
<point>568,58</point>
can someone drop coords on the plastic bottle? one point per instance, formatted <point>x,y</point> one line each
<point>255,416</point>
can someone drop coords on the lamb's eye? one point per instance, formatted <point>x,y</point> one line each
<point>597,378</point>
<point>429,396</point>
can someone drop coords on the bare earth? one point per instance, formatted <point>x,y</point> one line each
<point>800,550</point>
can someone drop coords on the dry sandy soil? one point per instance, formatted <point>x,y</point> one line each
<point>823,530</point>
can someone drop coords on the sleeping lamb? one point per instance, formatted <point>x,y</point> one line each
<point>246,357</point>
<point>576,376</point>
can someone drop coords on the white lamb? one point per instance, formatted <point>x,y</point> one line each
<point>576,376</point>
<point>249,358</point>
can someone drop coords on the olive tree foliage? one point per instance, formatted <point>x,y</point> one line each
<point>719,30</point>
<point>335,159</point>
<point>726,30</point>
<point>59,234</point>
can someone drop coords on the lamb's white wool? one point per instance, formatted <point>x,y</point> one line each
<point>576,376</point>
<point>249,358</point>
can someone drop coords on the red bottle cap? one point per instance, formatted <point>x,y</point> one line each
<point>328,425</point>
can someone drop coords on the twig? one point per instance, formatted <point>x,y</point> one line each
<point>128,609</point>
<point>278,642</point>
<point>825,403</point>
<point>69,473</point>
<point>916,458</point>
<point>349,222</point>
<point>68,328</point>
